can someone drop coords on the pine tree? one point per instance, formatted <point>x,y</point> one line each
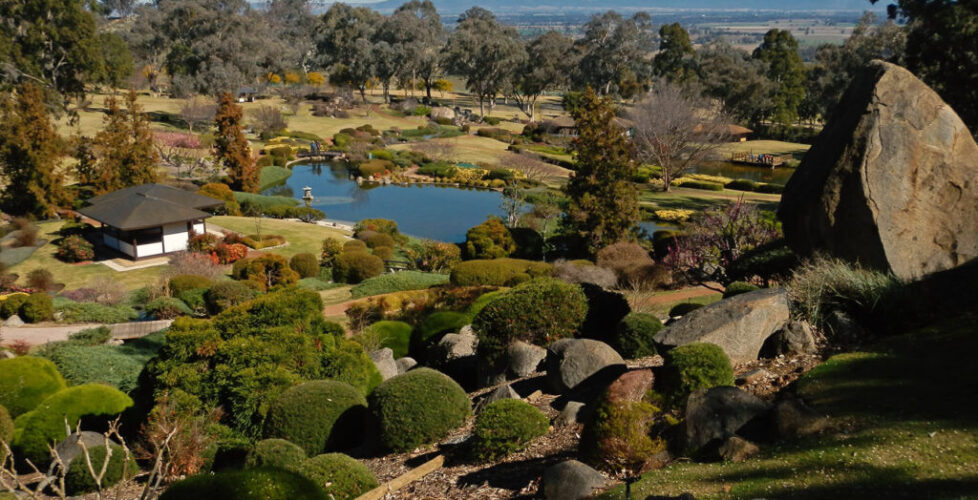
<point>123,150</point>
<point>603,201</point>
<point>233,150</point>
<point>29,150</point>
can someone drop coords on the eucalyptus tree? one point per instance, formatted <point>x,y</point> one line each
<point>416,34</point>
<point>550,60</point>
<point>485,53</point>
<point>292,22</point>
<point>676,58</point>
<point>345,44</point>
<point>615,49</point>
<point>735,79</point>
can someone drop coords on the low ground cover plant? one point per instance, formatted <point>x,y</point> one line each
<point>396,282</point>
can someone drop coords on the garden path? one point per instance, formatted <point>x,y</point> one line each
<point>37,335</point>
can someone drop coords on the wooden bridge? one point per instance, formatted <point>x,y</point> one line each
<point>757,160</point>
<point>321,155</point>
<point>393,266</point>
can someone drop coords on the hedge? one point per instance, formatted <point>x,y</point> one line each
<point>417,408</point>
<point>79,479</point>
<point>26,381</point>
<point>397,282</point>
<point>341,477</point>
<point>507,426</point>
<point>275,453</point>
<point>497,272</point>
<point>317,416</point>
<point>250,484</point>
<point>45,424</point>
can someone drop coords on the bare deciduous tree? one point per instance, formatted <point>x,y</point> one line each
<point>675,131</point>
<point>268,119</point>
<point>197,111</point>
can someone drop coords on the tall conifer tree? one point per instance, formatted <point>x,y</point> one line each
<point>233,150</point>
<point>123,149</point>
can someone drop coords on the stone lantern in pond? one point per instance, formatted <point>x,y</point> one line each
<point>307,195</point>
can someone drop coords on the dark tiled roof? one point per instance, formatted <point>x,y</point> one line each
<point>148,205</point>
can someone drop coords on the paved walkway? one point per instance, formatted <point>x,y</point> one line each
<point>37,335</point>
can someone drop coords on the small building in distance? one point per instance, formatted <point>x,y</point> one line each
<point>738,133</point>
<point>149,220</point>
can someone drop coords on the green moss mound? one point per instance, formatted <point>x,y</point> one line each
<point>634,335</point>
<point>497,272</point>
<point>250,484</point>
<point>317,416</point>
<point>539,312</point>
<point>341,477</point>
<point>6,425</point>
<point>433,328</point>
<point>46,423</point>
<point>418,407</point>
<point>507,426</point>
<point>393,334</point>
<point>695,366</point>
<point>25,381</point>
<point>79,480</point>
<point>275,453</point>
<point>737,288</point>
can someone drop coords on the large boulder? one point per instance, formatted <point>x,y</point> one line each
<point>572,361</point>
<point>384,361</point>
<point>739,325</point>
<point>890,182</point>
<point>71,447</point>
<point>795,338</point>
<point>713,415</point>
<point>523,359</point>
<point>572,480</point>
<point>442,112</point>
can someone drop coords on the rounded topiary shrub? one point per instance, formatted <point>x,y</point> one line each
<point>186,282</point>
<point>38,307</point>
<point>275,453</point>
<point>306,264</point>
<point>395,335</point>
<point>225,294</point>
<point>634,335</point>
<point>79,479</point>
<point>317,416</point>
<point>739,287</point>
<point>385,253</point>
<point>11,305</point>
<point>249,484</point>
<point>354,246</point>
<point>418,407</point>
<point>6,425</point>
<point>622,435</point>
<point>507,426</point>
<point>497,272</point>
<point>375,240</point>
<point>25,381</point>
<point>695,366</point>
<point>341,477</point>
<point>539,312</point>
<point>683,309</point>
<point>354,267</point>
<point>75,248</point>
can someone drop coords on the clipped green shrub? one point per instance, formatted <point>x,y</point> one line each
<point>46,423</point>
<point>418,407</point>
<point>506,426</point>
<point>90,312</point>
<point>79,480</point>
<point>6,425</point>
<point>317,416</point>
<point>185,282</point>
<point>395,335</point>
<point>374,239</point>
<point>38,307</point>
<point>354,245</point>
<point>306,264</point>
<point>539,312</point>
<point>275,453</point>
<point>489,240</point>
<point>622,435</point>
<point>230,452</point>
<point>91,336</point>
<point>269,272</point>
<point>737,288</point>
<point>384,253</point>
<point>167,308</point>
<point>249,484</point>
<point>397,282</point>
<point>26,381</point>
<point>480,303</point>
<point>634,336</point>
<point>341,477</point>
<point>11,305</point>
<point>433,328</point>
<point>683,308</point>
<point>354,267</point>
<point>692,367</point>
<point>226,294</point>
<point>496,272</point>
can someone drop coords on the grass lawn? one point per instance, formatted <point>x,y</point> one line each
<point>764,147</point>
<point>663,304</point>
<point>302,237</point>
<point>273,176</point>
<point>906,420</point>
<point>79,275</point>
<point>701,199</point>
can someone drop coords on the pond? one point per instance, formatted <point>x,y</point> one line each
<point>778,175</point>
<point>424,210</point>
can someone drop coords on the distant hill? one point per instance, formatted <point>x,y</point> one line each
<point>596,5</point>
